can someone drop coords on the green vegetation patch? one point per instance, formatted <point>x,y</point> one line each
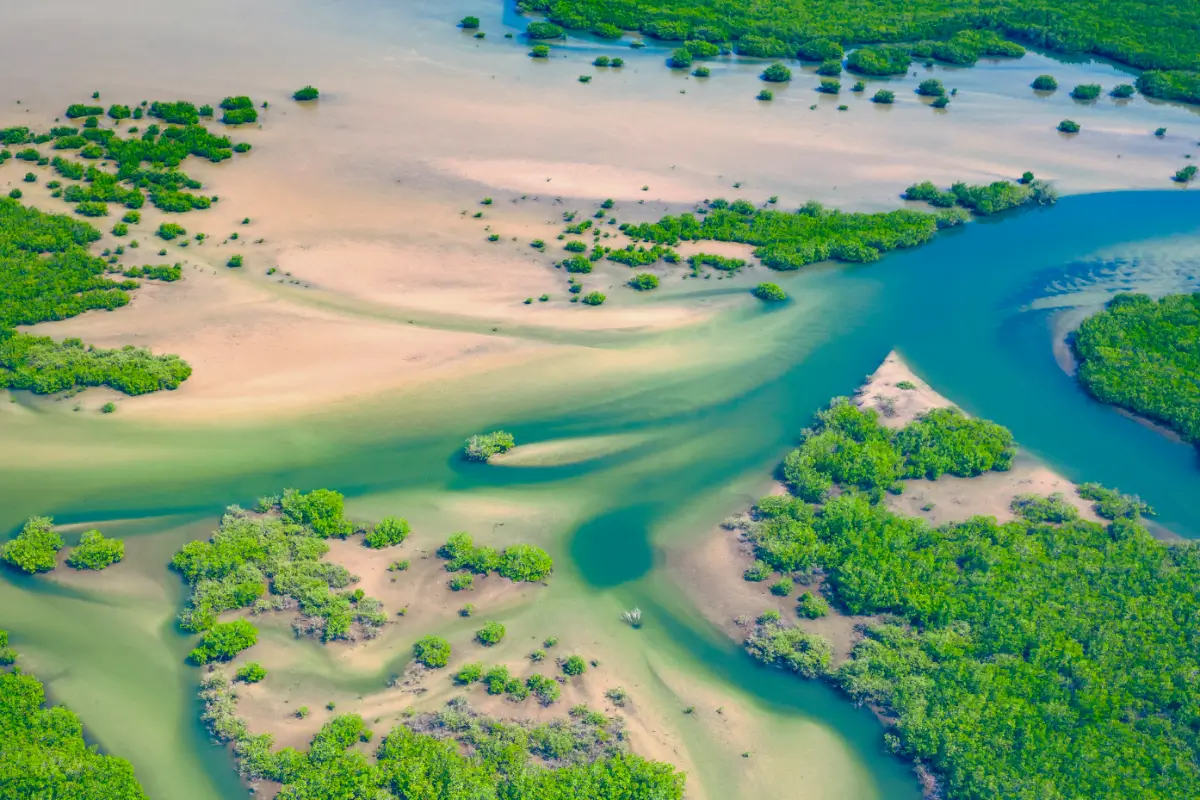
<point>790,240</point>
<point>273,562</point>
<point>990,627</point>
<point>1144,355</point>
<point>518,562</point>
<point>984,199</point>
<point>452,753</point>
<point>47,273</point>
<point>42,749</point>
<point>483,446</point>
<point>95,551</point>
<point>35,548</point>
<point>1128,31</point>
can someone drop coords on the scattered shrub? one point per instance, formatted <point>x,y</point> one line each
<point>491,633</point>
<point>96,552</point>
<point>644,281</point>
<point>1086,91</point>
<point>33,549</point>
<point>482,447</point>
<point>432,652</point>
<point>776,73</point>
<point>1068,126</point>
<point>1044,83</point>
<point>390,532</point>
<point>770,292</point>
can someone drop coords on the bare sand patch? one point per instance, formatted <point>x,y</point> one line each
<point>558,452</point>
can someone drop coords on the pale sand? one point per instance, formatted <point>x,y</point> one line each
<point>559,452</point>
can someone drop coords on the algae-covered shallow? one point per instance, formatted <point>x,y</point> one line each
<point>639,425</point>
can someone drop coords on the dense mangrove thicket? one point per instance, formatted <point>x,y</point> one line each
<point>272,561</point>
<point>452,753</point>
<point>42,749</point>
<point>789,240</point>
<point>47,273</point>
<point>1144,355</point>
<point>1047,657</point>
<point>1156,36</point>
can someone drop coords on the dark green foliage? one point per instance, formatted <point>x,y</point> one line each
<point>454,754</point>
<point>161,272</point>
<point>169,231</point>
<point>43,753</point>
<point>995,626</point>
<point>91,208</point>
<point>849,446</point>
<point>879,60</point>
<point>388,533</point>
<point>1086,91</point>
<point>540,51</point>
<point>787,241</point>
<point>273,562</point>
<point>491,633</point>
<point>1144,355</point>
<point>1111,504</point>
<point>594,298</point>
<point>432,651</point>
<point>483,446</point>
<point>773,642</point>
<point>223,641</point>
<point>701,72</point>
<point>1185,175</point>
<point>771,292</point>
<point>46,273</point>
<point>1159,132</point>
<point>1069,126</point>
<point>251,672</point>
<point>931,87</point>
<point>984,199</point>
<point>765,94</point>
<point>119,112</point>
<point>35,548</point>
<point>235,261</point>
<point>644,281</point>
<point>820,50</point>
<point>519,562</point>
<point>830,86</point>
<point>601,61</point>
<point>638,256</point>
<point>763,47</point>
<point>573,665</point>
<point>469,23</point>
<point>812,606</point>
<point>1035,508</point>
<point>940,102</point>
<point>239,116</point>
<point>575,247</point>
<point>1127,31</point>
<point>701,49</point>
<point>96,552</point>
<point>1183,86</point>
<point>77,110</point>
<point>782,587</point>
<point>180,113</point>
<point>722,263</point>
<point>884,97</point>
<point>776,73</point>
<point>681,58</point>
<point>831,69</point>
<point>543,30</point>
<point>1122,91</point>
<point>606,30</point>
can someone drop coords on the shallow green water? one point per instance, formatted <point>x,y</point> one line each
<point>958,309</point>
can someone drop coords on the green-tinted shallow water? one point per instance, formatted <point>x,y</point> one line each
<point>959,310</point>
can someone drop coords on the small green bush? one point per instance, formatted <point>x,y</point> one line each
<point>223,641</point>
<point>543,30</point>
<point>573,665</point>
<point>931,87</point>
<point>234,261</point>
<point>812,606</point>
<point>390,532</point>
<point>830,86</point>
<point>1086,91</point>
<point>491,633</point>
<point>594,298</point>
<point>1122,91</point>
<point>776,73</point>
<point>251,672</point>
<point>463,582</point>
<point>469,23</point>
<point>169,231</point>
<point>539,51</point>
<point>701,72</point>
<point>33,549</point>
<point>96,552</point>
<point>1068,126</point>
<point>1044,83</point>
<point>765,95</point>
<point>432,651</point>
<point>482,447</point>
<point>644,281</point>
<point>782,587</point>
<point>831,68</point>
<point>770,292</point>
